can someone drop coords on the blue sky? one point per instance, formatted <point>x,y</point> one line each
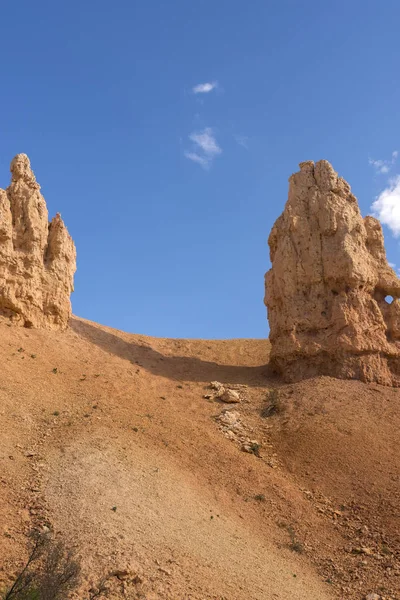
<point>170,194</point>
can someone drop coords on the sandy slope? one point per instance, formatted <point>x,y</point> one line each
<point>118,451</point>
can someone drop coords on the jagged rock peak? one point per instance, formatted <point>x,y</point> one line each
<point>37,258</point>
<point>328,290</point>
<point>21,169</point>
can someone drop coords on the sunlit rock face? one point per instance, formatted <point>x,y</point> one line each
<point>37,258</point>
<point>328,290</point>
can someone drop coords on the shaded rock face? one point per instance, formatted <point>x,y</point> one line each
<point>327,291</point>
<point>37,258</point>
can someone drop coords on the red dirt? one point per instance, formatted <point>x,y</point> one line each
<point>122,423</point>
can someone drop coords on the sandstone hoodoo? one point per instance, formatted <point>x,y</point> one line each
<point>37,258</point>
<point>333,300</point>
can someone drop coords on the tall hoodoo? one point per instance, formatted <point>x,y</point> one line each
<point>328,290</point>
<point>37,258</point>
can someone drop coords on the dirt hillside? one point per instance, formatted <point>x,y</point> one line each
<point>107,438</point>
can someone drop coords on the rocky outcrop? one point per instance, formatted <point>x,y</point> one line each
<point>37,258</point>
<point>328,290</point>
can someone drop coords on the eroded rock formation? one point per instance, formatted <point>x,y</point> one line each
<point>37,258</point>
<point>328,290</point>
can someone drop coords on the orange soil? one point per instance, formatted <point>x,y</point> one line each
<point>120,453</point>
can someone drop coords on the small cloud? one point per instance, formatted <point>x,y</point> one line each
<point>201,160</point>
<point>205,147</point>
<point>383,166</point>
<point>387,206</point>
<point>205,88</point>
<point>242,140</point>
<point>392,265</point>
<point>206,140</point>
<point>379,165</point>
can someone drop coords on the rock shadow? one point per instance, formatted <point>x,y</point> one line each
<point>180,368</point>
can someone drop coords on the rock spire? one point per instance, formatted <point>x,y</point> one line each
<point>332,298</point>
<point>37,258</point>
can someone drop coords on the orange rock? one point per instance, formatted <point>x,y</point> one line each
<point>327,290</point>
<point>37,258</point>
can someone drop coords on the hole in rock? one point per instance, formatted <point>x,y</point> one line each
<point>389,299</point>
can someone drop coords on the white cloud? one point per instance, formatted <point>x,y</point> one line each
<point>205,88</point>
<point>383,166</point>
<point>379,165</point>
<point>205,147</point>
<point>201,160</point>
<point>206,140</point>
<point>392,265</point>
<point>242,140</point>
<point>387,206</point>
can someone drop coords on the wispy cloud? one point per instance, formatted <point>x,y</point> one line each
<point>205,88</point>
<point>387,206</point>
<point>206,140</point>
<point>242,140</point>
<point>205,147</point>
<point>201,160</point>
<point>383,166</point>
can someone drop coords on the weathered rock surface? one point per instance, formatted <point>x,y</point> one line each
<point>37,258</point>
<point>327,291</point>
<point>226,394</point>
<point>230,396</point>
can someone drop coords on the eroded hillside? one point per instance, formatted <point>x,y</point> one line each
<point>107,439</point>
